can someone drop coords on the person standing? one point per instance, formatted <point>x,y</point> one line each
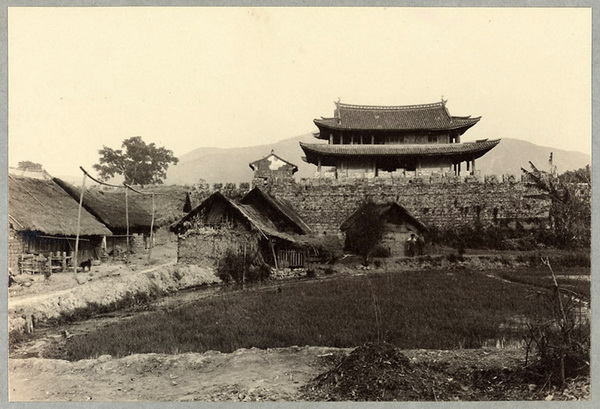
<point>411,245</point>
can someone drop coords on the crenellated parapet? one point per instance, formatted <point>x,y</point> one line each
<point>443,202</point>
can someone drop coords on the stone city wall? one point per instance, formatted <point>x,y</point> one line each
<point>442,202</point>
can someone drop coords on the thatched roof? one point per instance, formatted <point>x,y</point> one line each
<point>41,205</point>
<point>109,208</point>
<point>255,218</point>
<point>390,212</point>
<point>258,198</point>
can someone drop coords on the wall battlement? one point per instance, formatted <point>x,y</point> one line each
<point>442,202</point>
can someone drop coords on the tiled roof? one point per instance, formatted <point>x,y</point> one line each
<point>409,117</point>
<point>400,149</point>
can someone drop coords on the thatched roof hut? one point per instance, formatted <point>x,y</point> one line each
<point>42,206</point>
<point>262,211</point>
<point>391,212</point>
<point>109,208</point>
<point>258,222</point>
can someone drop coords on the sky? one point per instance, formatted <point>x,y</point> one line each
<point>184,78</point>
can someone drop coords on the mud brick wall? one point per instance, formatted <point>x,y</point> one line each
<point>15,248</point>
<point>206,246</point>
<point>446,202</point>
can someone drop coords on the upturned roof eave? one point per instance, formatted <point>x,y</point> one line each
<point>471,151</point>
<point>327,125</point>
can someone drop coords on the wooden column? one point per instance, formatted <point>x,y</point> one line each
<point>319,168</point>
<point>468,165</point>
<point>331,139</point>
<point>473,166</point>
<point>459,163</point>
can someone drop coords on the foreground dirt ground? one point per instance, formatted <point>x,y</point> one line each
<point>246,375</point>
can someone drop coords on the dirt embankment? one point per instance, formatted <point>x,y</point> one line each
<point>27,312</point>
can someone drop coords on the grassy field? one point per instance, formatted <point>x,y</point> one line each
<point>428,309</point>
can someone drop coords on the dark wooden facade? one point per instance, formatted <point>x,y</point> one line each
<point>370,141</point>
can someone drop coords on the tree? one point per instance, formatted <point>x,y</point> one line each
<point>366,230</point>
<point>140,164</point>
<point>571,207</point>
<point>28,165</point>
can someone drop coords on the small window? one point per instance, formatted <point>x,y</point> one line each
<point>432,139</point>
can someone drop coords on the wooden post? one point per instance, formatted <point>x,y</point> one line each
<point>75,256</point>
<point>473,167</point>
<point>127,221</point>
<point>151,230</point>
<point>274,255</point>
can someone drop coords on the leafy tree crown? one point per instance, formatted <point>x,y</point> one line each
<point>139,163</point>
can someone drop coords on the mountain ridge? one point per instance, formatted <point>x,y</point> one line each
<point>230,165</point>
<point>208,163</point>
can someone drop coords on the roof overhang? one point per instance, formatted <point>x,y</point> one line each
<point>329,155</point>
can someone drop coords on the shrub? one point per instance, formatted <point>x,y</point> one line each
<point>242,268</point>
<point>453,257</point>
<point>380,251</point>
<point>478,236</point>
<point>561,343</point>
<point>365,231</point>
<point>326,248</point>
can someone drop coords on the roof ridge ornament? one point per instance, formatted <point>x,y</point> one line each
<point>446,109</point>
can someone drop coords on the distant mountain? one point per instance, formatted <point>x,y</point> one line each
<point>231,165</point>
<point>513,154</point>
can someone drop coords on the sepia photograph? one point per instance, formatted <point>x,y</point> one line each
<point>299,204</point>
